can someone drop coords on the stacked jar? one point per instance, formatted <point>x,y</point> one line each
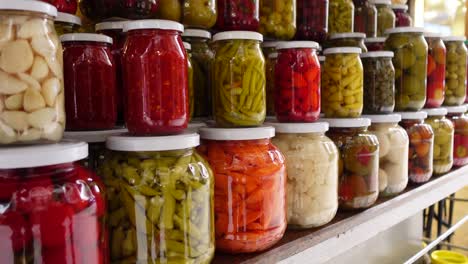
<point>402,18</point>
<point>457,115</point>
<point>385,16</point>
<point>66,23</point>
<point>351,39</point>
<point>456,71</point>
<point>375,44</point>
<point>365,18</point>
<point>436,65</point>
<point>340,16</point>
<point>312,20</point>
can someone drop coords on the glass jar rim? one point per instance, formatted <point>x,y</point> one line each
<point>435,111</point>
<point>348,35</point>
<point>88,37</point>
<point>231,35</point>
<point>377,54</point>
<point>381,2</point>
<point>454,38</point>
<point>130,143</point>
<point>456,109</point>
<point>347,122</point>
<point>399,30</point>
<point>271,44</point>
<point>253,133</point>
<point>93,136</point>
<point>27,5</point>
<point>299,128</point>
<point>298,44</point>
<point>153,24</point>
<point>375,40</point>
<point>68,18</point>
<point>197,33</point>
<point>432,34</point>
<point>342,50</point>
<point>381,119</point>
<point>321,58</point>
<point>109,25</point>
<point>399,7</point>
<point>412,115</point>
<point>187,45</point>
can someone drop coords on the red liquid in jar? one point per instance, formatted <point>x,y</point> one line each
<point>312,20</point>
<point>64,6</point>
<point>238,15</point>
<point>403,19</point>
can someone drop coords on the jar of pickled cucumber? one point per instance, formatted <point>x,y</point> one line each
<point>340,16</point>
<point>385,16</point>
<point>188,50</point>
<point>238,15</point>
<point>443,139</point>
<point>250,191</point>
<point>436,64</point>
<point>66,23</point>
<point>365,17</point>
<point>358,168</point>
<point>375,44</point>
<point>278,19</point>
<point>239,96</point>
<point>312,168</point>
<point>99,10</point>
<point>342,83</point>
<point>312,20</point>
<point>393,153</point>
<point>270,82</point>
<point>410,62</point>
<point>402,18</point>
<point>160,200</point>
<point>379,82</point>
<point>199,14</point>
<point>457,115</point>
<point>455,71</point>
<point>352,39</point>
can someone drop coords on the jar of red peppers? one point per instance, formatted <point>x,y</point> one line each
<point>403,19</point>
<point>278,19</point>
<point>52,207</point>
<point>312,20</point>
<point>90,90</point>
<point>270,82</point>
<point>250,187</point>
<point>155,78</point>
<point>436,63</point>
<point>351,39</point>
<point>238,15</point>
<point>455,70</point>
<point>66,23</point>
<point>64,6</point>
<point>375,44</point>
<point>359,161</point>
<point>365,18</point>
<point>457,115</point>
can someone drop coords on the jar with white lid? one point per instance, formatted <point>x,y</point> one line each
<point>269,47</point>
<point>457,115</point>
<point>350,39</point>
<point>359,161</point>
<point>312,168</point>
<point>160,200</point>
<point>393,153</point>
<point>66,23</point>
<point>375,44</point>
<point>52,208</point>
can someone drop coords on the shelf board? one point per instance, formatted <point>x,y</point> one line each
<point>350,229</point>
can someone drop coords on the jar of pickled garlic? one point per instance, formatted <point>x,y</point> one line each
<point>238,15</point>
<point>410,62</point>
<point>436,63</point>
<point>402,18</point>
<point>278,19</point>
<point>90,90</point>
<point>297,82</point>
<point>443,139</point>
<point>358,168</point>
<point>379,82</point>
<point>270,65</point>
<point>188,50</point>
<point>100,10</point>
<point>202,57</point>
<point>199,14</point>
<point>340,16</point>
<point>457,115</point>
<point>64,6</point>
<point>385,16</point>
<point>312,20</point>
<point>160,200</point>
<point>66,23</point>
<point>312,168</point>
<point>352,39</point>
<point>250,187</point>
<point>375,44</point>
<point>52,207</point>
<point>155,78</point>
<point>342,83</point>
<point>32,108</point>
<point>365,17</point>
<point>239,97</point>
<point>456,71</point>
<point>393,153</point>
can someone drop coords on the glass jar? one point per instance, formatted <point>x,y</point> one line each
<point>375,44</point>
<point>238,15</point>
<point>410,62</point>
<point>358,168</point>
<point>340,16</point>
<point>297,82</point>
<point>385,16</point>
<point>312,169</point>
<point>436,63</point>
<point>32,108</point>
<point>402,18</point>
<point>312,20</point>
<point>270,82</point>
<point>188,50</point>
<point>250,195</point>
<point>443,139</point>
<point>64,6</point>
<point>393,153</point>
<point>365,18</point>
<point>160,200</point>
<point>342,83</point>
<point>52,208</point>
<point>379,82</point>
<point>399,2</point>
<point>269,47</point>
<point>99,10</point>
<point>170,10</point>
<point>351,39</point>
<point>90,90</point>
<point>456,114</point>
<point>66,23</point>
<point>278,19</point>
<point>155,78</point>
<point>199,14</point>
<point>202,57</point>
<point>456,71</point>
<point>239,95</point>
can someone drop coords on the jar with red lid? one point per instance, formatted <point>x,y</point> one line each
<point>375,44</point>
<point>64,6</point>
<point>365,18</point>
<point>436,63</point>
<point>52,207</point>
<point>250,187</point>
<point>238,15</point>
<point>403,19</point>
<point>155,73</point>
<point>312,20</point>
<point>89,73</point>
<point>456,114</point>
<point>297,82</point>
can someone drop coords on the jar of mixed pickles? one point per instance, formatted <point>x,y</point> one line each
<point>297,82</point>
<point>342,83</point>
<point>250,195</point>
<point>436,63</point>
<point>32,108</point>
<point>385,16</point>
<point>365,17</point>
<point>379,82</point>
<point>457,115</point>
<point>375,44</point>
<point>188,50</point>
<point>359,161</point>
<point>410,62</point>
<point>155,78</point>
<point>352,39</point>
<point>99,10</point>
<point>312,20</point>
<point>238,15</point>
<point>52,208</point>
<point>199,14</point>
<point>270,82</point>
<point>402,18</point>
<point>393,153</point>
<point>239,97</point>
<point>66,23</point>
<point>443,139</point>
<point>64,6</point>
<point>456,71</point>
<point>278,19</point>
<point>340,16</point>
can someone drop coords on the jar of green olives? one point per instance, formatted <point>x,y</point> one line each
<point>270,82</point>
<point>66,23</point>
<point>340,16</point>
<point>278,19</point>
<point>188,50</point>
<point>365,17</point>
<point>385,16</point>
<point>199,14</point>
<point>160,200</point>
<point>456,70</point>
<point>351,39</point>
<point>375,44</point>
<point>410,62</point>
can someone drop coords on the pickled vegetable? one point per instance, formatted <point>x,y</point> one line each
<point>443,139</point>
<point>312,20</point>
<point>66,23</point>
<point>460,145</point>
<point>270,83</point>
<point>199,13</point>
<point>348,40</point>
<point>402,18</point>
<point>238,15</point>
<point>365,17</point>
<point>375,44</point>
<point>188,49</point>
<point>99,10</point>
<point>435,71</point>
<point>278,19</point>
<point>456,70</point>
<point>340,16</point>
<point>385,16</point>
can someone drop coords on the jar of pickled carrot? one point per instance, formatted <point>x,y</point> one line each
<point>456,114</point>
<point>250,183</point>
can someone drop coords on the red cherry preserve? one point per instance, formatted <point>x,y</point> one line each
<point>64,6</point>
<point>238,15</point>
<point>312,20</point>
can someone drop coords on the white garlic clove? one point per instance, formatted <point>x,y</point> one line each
<point>42,118</point>
<point>2,104</point>
<point>30,135</point>
<point>33,83</point>
<point>50,89</point>
<point>18,20</point>
<point>60,108</point>
<point>6,34</point>
<point>44,46</point>
<point>7,134</point>
<point>33,27</point>
<point>14,102</point>
<point>53,132</point>
<point>40,69</point>
<point>11,85</point>
<point>55,66</point>
<point>17,120</point>
<point>33,100</point>
<point>16,56</point>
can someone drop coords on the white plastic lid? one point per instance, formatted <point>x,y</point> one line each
<point>197,33</point>
<point>412,115</point>
<point>271,44</point>
<point>297,44</point>
<point>237,133</point>
<point>27,5</point>
<point>238,35</point>
<point>348,35</point>
<point>187,46</point>
<point>130,143</point>
<point>196,125</point>
<point>110,25</point>
<point>431,34</point>
<point>273,55</point>
<point>42,155</point>
<point>153,24</point>
<point>400,7</point>
<point>390,118</point>
<point>68,18</point>
<point>347,122</point>
<point>456,109</point>
<point>321,58</point>
<point>375,40</point>
<point>93,136</point>
<point>298,128</point>
<point>435,111</point>
<point>377,54</point>
<point>404,30</point>
<point>342,50</point>
<point>454,38</point>
<point>381,2</point>
<point>86,37</point>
